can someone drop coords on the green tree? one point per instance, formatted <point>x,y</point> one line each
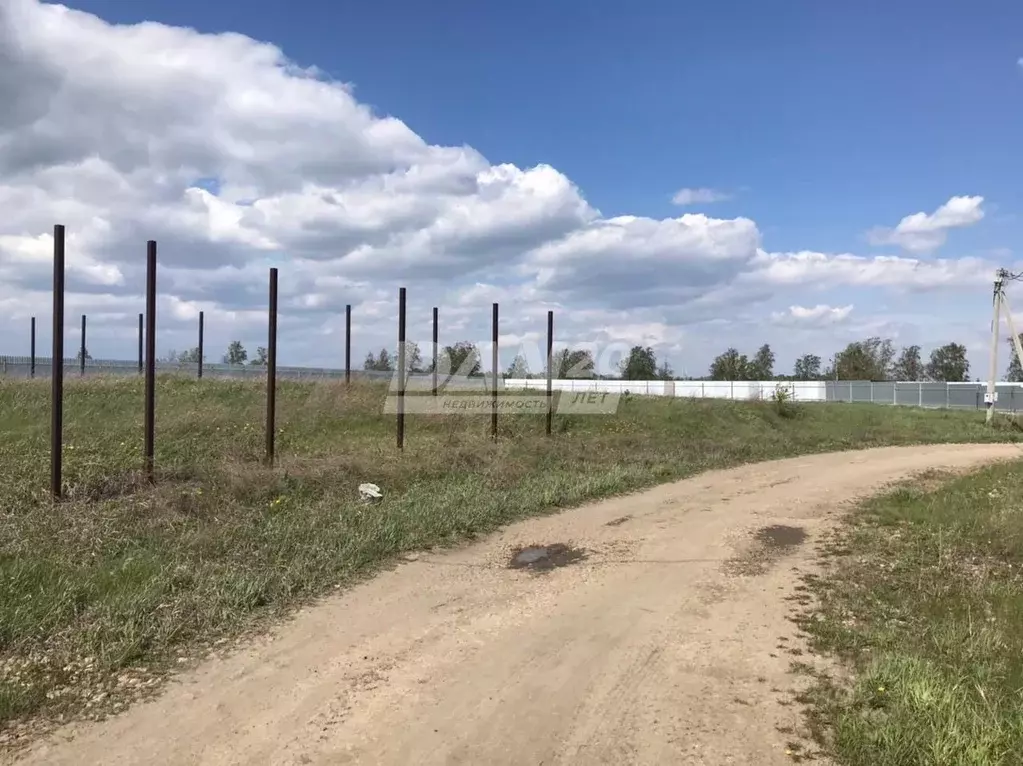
<point>664,372</point>
<point>189,357</point>
<point>78,356</point>
<point>730,365</point>
<point>385,361</point>
<point>807,367</point>
<point>761,367</point>
<point>519,369</point>
<point>949,363</point>
<point>909,365</point>
<point>463,358</point>
<point>380,363</point>
<point>414,358</point>
<point>640,364</point>
<point>236,353</point>
<point>869,359</point>
<point>572,363</point>
<point>260,360</point>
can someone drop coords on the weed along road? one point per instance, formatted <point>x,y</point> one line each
<point>639,630</point>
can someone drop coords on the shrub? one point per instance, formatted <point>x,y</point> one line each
<point>782,402</point>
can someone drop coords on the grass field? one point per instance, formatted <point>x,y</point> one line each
<point>103,592</point>
<point>924,603</point>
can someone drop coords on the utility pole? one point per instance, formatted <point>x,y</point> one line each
<point>1000,300</point>
<point>1016,344</point>
<point>996,303</point>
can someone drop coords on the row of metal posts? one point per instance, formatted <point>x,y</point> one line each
<point>494,364</point>
<point>201,353</point>
<point>147,362</point>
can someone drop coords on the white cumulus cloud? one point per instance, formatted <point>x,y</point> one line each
<point>812,268</point>
<point>235,158</point>
<point>923,232</point>
<point>818,315</point>
<point>701,196</point>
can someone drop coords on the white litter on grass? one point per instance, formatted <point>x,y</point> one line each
<point>369,493</point>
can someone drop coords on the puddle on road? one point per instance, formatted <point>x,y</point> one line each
<point>544,558</point>
<point>770,544</point>
<point>781,537</point>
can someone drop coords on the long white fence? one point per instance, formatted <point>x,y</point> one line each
<point>933,394</point>
<point>714,389</point>
<point>909,393</point>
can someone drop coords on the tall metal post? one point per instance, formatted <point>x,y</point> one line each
<point>150,396</point>
<point>401,369</point>
<point>550,372</point>
<point>202,325</point>
<point>57,365</point>
<point>82,352</point>
<point>271,369</point>
<point>436,348</point>
<point>496,372</point>
<point>348,344</point>
<point>32,350</point>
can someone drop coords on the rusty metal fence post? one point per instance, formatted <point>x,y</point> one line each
<point>32,350</point>
<point>436,335</point>
<point>150,395</point>
<point>496,372</point>
<point>271,369</point>
<point>348,344</point>
<point>82,352</point>
<point>202,327</point>
<point>57,366</point>
<point>401,369</point>
<point>550,372</point>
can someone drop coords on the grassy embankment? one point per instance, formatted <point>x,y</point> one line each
<point>922,601</point>
<point>102,592</point>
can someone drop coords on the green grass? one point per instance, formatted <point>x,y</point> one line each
<point>924,605</point>
<point>101,592</point>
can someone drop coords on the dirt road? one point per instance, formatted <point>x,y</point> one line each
<point>659,641</point>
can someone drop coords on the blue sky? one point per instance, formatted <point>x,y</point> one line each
<point>819,122</point>
<point>832,117</point>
